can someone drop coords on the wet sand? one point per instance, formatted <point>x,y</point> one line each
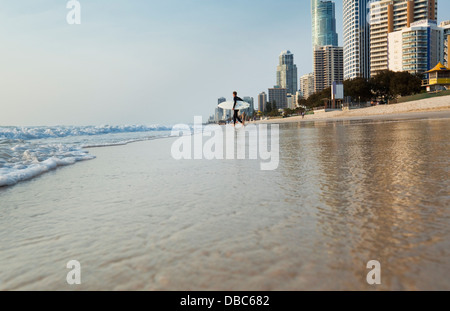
<point>345,192</point>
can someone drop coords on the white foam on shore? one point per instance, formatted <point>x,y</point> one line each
<point>25,161</point>
<point>21,174</point>
<point>26,152</point>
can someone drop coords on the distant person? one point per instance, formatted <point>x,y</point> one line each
<point>303,114</point>
<point>236,111</point>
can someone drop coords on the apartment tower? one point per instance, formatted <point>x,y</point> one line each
<point>387,16</point>
<point>356,39</point>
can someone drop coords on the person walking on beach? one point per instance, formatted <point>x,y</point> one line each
<point>236,111</point>
<point>303,114</point>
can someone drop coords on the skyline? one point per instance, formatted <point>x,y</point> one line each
<point>145,63</point>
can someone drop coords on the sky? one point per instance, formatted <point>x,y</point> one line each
<point>145,62</point>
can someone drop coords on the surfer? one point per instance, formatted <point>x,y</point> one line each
<point>236,111</point>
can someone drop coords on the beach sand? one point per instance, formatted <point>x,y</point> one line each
<point>345,192</point>
<point>402,110</point>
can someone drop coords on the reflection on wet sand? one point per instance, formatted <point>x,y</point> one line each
<point>383,192</point>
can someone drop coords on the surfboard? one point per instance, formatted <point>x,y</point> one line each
<point>228,105</point>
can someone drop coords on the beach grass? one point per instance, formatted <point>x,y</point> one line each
<point>406,99</point>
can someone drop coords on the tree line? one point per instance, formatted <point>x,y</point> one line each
<point>386,86</point>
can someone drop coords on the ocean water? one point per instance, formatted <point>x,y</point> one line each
<point>27,152</point>
<point>345,193</point>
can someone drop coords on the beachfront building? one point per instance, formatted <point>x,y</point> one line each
<point>438,79</point>
<point>417,48</point>
<point>307,85</point>
<point>325,43</point>
<point>387,16</point>
<point>445,26</point>
<point>356,39</point>
<point>287,72</point>
<point>249,111</point>
<point>221,114</point>
<point>289,100</point>
<point>297,97</point>
<point>278,96</point>
<point>212,119</point>
<point>218,115</point>
<point>328,66</point>
<point>262,101</point>
<point>323,23</point>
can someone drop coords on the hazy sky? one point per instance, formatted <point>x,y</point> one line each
<point>145,62</point>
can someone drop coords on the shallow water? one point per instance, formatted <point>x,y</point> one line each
<point>27,152</point>
<point>345,192</point>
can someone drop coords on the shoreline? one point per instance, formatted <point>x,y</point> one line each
<point>137,219</point>
<point>422,108</point>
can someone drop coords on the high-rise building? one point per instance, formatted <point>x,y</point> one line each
<point>290,101</point>
<point>287,72</point>
<point>249,111</point>
<point>387,16</point>
<point>417,48</point>
<point>307,85</point>
<point>297,97</point>
<point>278,96</point>
<point>446,39</point>
<point>323,23</point>
<point>262,101</point>
<point>356,39</point>
<point>328,66</point>
<point>220,113</point>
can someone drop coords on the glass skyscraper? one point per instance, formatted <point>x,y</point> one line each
<point>356,39</point>
<point>323,23</point>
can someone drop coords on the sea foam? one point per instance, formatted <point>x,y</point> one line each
<point>23,162</point>
<point>26,152</point>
